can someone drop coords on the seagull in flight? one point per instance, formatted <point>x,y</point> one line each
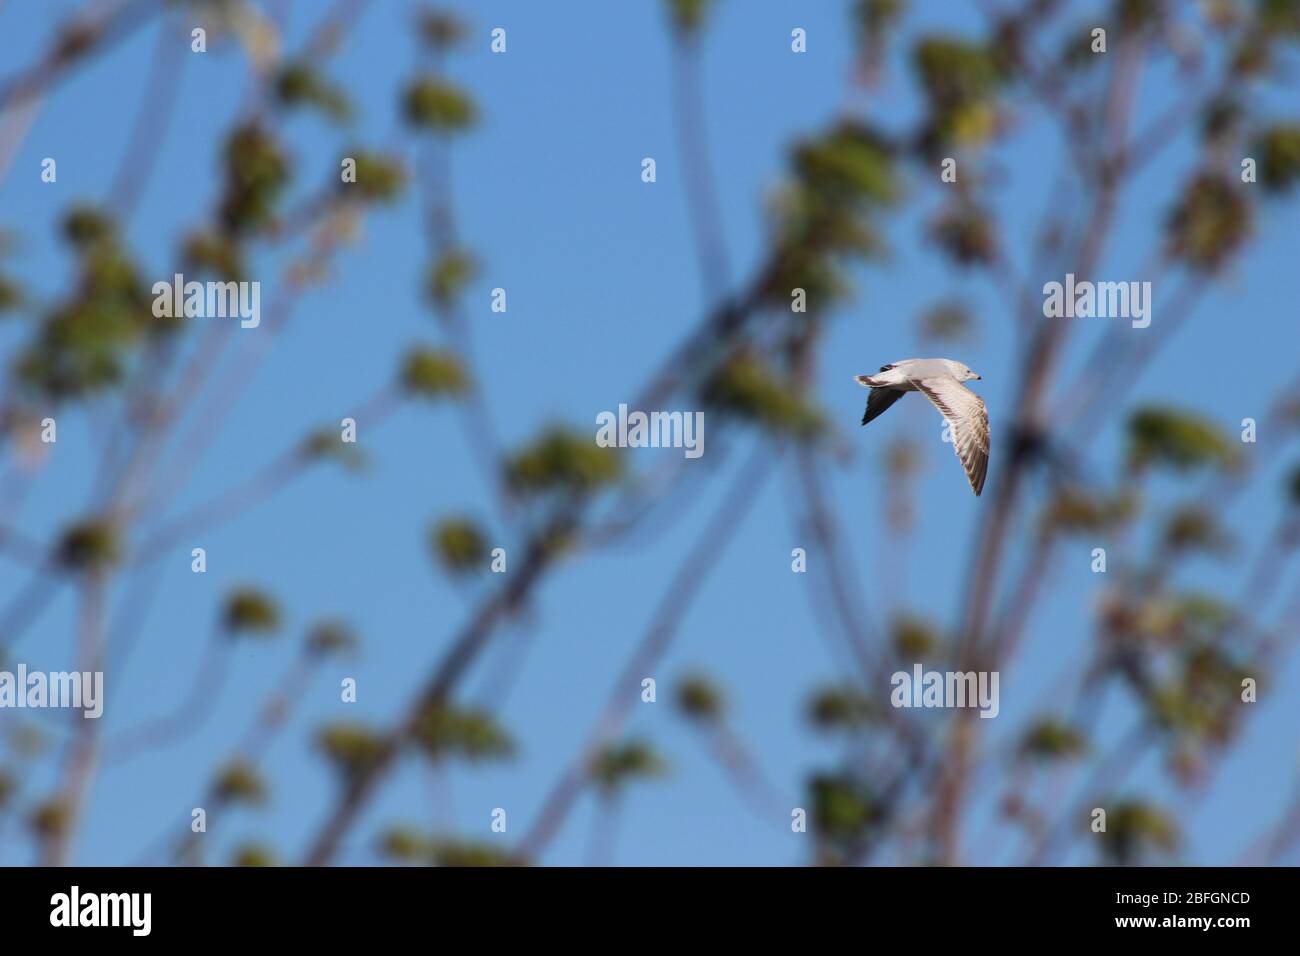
<point>939,380</point>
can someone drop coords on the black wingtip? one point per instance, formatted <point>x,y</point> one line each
<point>879,401</point>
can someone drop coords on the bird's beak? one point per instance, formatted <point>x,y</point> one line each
<point>980,377</point>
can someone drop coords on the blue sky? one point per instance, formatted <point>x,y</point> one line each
<point>602,281</point>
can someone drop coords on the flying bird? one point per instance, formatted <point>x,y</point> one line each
<point>939,380</point>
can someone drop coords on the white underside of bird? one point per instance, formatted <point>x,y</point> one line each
<point>939,380</point>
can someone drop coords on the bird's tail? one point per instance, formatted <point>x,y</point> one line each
<point>867,381</point>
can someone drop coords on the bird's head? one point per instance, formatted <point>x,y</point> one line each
<point>964,373</point>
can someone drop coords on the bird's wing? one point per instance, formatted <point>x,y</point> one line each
<point>965,412</point>
<point>879,401</point>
